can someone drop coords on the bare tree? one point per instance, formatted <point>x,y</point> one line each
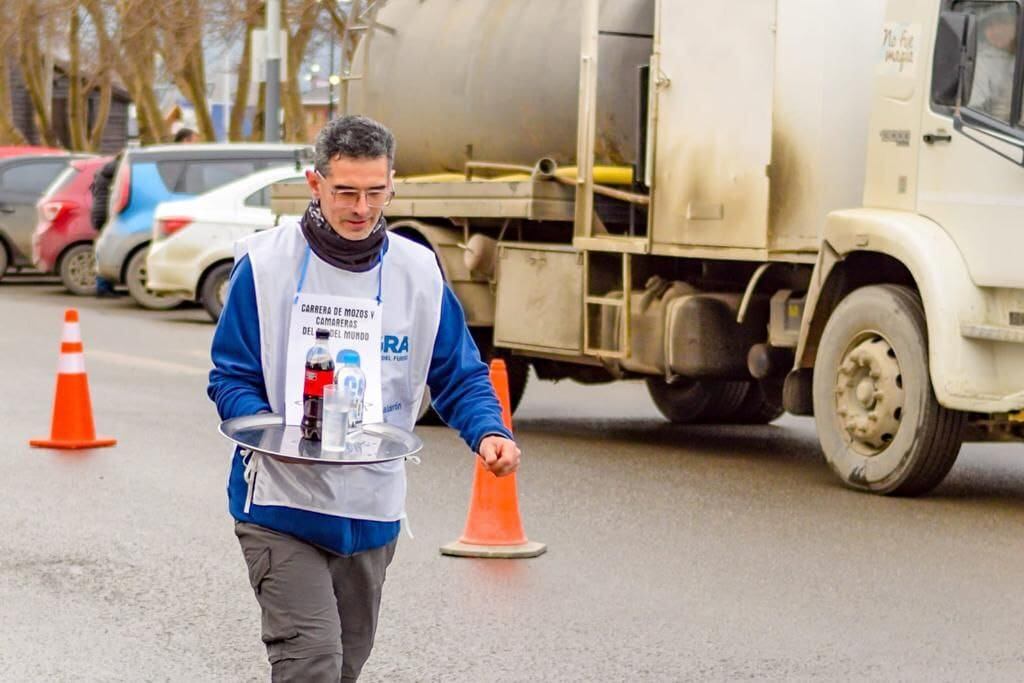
<point>136,38</point>
<point>101,75</point>
<point>35,29</point>
<point>233,21</point>
<point>9,133</point>
<point>303,16</point>
<point>181,45</point>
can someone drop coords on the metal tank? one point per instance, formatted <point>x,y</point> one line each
<point>498,80</point>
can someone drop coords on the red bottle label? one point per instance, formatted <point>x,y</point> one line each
<point>315,382</point>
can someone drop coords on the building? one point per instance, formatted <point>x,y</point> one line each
<point>115,133</point>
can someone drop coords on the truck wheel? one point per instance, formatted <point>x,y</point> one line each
<point>215,290</point>
<point>688,401</point>
<point>135,278</point>
<point>78,270</point>
<point>518,373</point>
<point>5,260</point>
<point>877,418</point>
<point>761,405</point>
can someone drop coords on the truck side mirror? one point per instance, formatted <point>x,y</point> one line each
<point>953,66</point>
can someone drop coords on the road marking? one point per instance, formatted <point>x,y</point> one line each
<point>125,360</point>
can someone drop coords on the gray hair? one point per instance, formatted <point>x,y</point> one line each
<point>355,137</point>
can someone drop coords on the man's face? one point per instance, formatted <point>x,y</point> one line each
<point>353,220</point>
<point>1002,34</point>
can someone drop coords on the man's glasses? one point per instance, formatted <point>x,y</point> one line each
<point>346,197</point>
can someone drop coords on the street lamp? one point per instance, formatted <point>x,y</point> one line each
<point>333,80</point>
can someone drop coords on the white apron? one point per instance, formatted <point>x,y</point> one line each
<point>370,492</point>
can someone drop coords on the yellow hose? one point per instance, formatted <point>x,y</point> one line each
<point>432,178</point>
<point>603,175</point>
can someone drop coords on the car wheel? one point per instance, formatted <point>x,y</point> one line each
<point>214,291</point>
<point>78,270</point>
<point>5,260</point>
<point>135,277</point>
<point>878,421</point>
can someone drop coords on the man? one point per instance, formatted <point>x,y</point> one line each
<point>186,135</point>
<point>317,539</point>
<point>100,189</point>
<point>992,86</point>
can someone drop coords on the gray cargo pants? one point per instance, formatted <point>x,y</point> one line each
<point>319,608</point>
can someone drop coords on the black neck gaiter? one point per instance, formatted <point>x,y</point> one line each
<point>353,255</point>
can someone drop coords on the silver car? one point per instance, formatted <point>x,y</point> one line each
<point>23,180</point>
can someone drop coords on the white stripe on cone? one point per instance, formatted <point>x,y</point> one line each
<point>72,333</point>
<point>71,364</point>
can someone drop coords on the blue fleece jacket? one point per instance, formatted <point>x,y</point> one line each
<point>459,386</point>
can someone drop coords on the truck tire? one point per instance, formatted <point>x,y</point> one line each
<point>518,373</point>
<point>77,270</point>
<point>215,290</point>
<point>690,401</point>
<point>761,405</point>
<point>878,421</point>
<point>135,278</point>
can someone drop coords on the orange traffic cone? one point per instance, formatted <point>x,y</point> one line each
<point>493,527</point>
<point>72,425</point>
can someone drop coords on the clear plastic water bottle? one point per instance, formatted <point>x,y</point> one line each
<point>352,378</point>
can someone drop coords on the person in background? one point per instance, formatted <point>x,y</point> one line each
<point>186,135</point>
<point>100,190</point>
<point>992,86</point>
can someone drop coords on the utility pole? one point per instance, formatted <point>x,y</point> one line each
<point>331,83</point>
<point>271,117</point>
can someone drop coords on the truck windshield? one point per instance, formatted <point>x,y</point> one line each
<point>992,85</point>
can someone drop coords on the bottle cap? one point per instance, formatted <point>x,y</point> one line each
<point>348,357</point>
<point>322,334</point>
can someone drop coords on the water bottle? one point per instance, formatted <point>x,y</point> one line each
<point>351,377</point>
<point>319,373</point>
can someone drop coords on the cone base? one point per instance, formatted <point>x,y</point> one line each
<point>72,444</point>
<point>460,549</point>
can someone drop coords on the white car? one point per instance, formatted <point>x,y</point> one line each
<point>192,252</point>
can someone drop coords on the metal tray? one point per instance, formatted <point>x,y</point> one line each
<point>267,433</point>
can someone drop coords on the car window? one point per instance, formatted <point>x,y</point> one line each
<point>31,178</point>
<point>203,176</point>
<point>995,61</point>
<point>170,172</point>
<point>63,179</point>
<point>260,198</point>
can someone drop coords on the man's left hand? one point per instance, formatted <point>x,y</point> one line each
<point>500,455</point>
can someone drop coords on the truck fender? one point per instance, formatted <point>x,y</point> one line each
<point>474,293</point>
<point>899,246</point>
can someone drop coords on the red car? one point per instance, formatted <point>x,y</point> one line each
<point>21,150</point>
<point>62,242</point>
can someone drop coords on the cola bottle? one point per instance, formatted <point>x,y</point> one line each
<point>319,373</point>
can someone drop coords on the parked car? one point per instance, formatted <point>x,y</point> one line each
<point>192,249</point>
<point>147,176</point>
<point>23,180</point>
<point>7,151</point>
<point>62,241</point>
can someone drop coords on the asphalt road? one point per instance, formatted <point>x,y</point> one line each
<point>674,553</point>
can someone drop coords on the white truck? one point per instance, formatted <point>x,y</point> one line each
<point>815,205</point>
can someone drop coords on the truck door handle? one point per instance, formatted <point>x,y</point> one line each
<point>932,138</point>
